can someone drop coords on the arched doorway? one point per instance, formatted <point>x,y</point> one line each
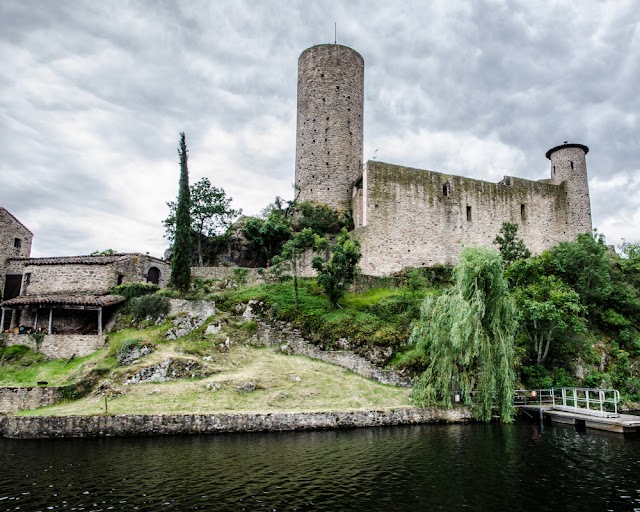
<point>153,275</point>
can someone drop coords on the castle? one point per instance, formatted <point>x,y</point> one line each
<point>408,217</point>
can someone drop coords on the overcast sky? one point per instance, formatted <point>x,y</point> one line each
<point>94,94</point>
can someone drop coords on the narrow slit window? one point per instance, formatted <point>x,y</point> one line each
<point>446,189</point>
<point>468,213</point>
<point>572,164</point>
<point>523,212</point>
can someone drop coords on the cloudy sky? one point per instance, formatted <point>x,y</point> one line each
<point>94,94</point>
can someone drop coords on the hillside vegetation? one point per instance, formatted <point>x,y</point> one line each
<point>577,312</point>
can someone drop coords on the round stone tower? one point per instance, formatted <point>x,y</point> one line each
<point>329,130</point>
<point>569,165</point>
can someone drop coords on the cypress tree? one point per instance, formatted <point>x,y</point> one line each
<point>181,260</point>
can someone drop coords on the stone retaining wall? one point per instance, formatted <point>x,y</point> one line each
<point>291,341</point>
<point>23,427</point>
<point>14,399</point>
<point>226,273</point>
<point>60,346</point>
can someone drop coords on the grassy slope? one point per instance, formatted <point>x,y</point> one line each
<point>283,383</point>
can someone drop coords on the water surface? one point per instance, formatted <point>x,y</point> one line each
<point>524,466</point>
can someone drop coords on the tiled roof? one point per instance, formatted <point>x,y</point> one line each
<point>567,145</point>
<point>81,260</point>
<point>64,300</point>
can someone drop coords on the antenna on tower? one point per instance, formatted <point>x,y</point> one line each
<point>335,32</point>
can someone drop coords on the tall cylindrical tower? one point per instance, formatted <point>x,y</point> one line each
<point>329,130</point>
<point>569,165</point>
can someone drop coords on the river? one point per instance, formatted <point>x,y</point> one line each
<point>525,466</point>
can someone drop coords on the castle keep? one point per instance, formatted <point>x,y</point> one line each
<point>408,217</point>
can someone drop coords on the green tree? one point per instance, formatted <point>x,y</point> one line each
<point>510,246</point>
<point>466,338</point>
<point>181,260</point>
<point>548,307</point>
<point>269,234</point>
<point>292,253</point>
<point>341,269</point>
<point>585,265</point>
<point>210,211</point>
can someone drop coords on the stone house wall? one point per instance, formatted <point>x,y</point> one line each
<point>15,238</point>
<point>415,218</point>
<point>78,275</point>
<point>73,279</point>
<point>15,242</point>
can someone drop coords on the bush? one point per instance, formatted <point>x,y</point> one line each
<point>132,290</point>
<point>536,377</point>
<point>19,355</point>
<point>154,306</point>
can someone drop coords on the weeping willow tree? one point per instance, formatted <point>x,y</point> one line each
<point>466,339</point>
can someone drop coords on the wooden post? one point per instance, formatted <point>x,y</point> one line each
<point>100,322</point>
<point>50,321</point>
<point>35,323</point>
<point>2,322</point>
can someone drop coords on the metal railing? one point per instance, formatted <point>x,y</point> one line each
<point>536,397</point>
<point>589,401</point>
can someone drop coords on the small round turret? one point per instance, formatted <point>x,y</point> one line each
<point>569,165</point>
<point>329,128</point>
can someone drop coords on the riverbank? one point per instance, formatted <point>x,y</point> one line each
<point>46,427</point>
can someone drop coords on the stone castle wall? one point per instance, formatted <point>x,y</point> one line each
<point>415,218</point>
<point>330,125</point>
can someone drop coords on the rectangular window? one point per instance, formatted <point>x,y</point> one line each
<point>468,213</point>
<point>523,212</point>
<point>17,242</point>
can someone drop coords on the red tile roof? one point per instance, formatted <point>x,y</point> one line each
<point>64,300</point>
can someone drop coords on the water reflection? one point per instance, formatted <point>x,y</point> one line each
<point>473,467</point>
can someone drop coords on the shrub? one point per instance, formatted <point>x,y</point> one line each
<point>133,290</point>
<point>154,306</point>
<point>19,355</point>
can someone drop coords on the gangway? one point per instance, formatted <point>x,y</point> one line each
<point>586,407</point>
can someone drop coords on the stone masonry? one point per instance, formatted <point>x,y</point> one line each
<point>14,399</point>
<point>415,218</point>
<point>60,346</point>
<point>330,124</point>
<point>15,240</point>
<point>411,217</point>
<point>38,427</point>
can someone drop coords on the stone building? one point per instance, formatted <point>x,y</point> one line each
<point>408,217</point>
<point>15,242</point>
<point>71,294</point>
